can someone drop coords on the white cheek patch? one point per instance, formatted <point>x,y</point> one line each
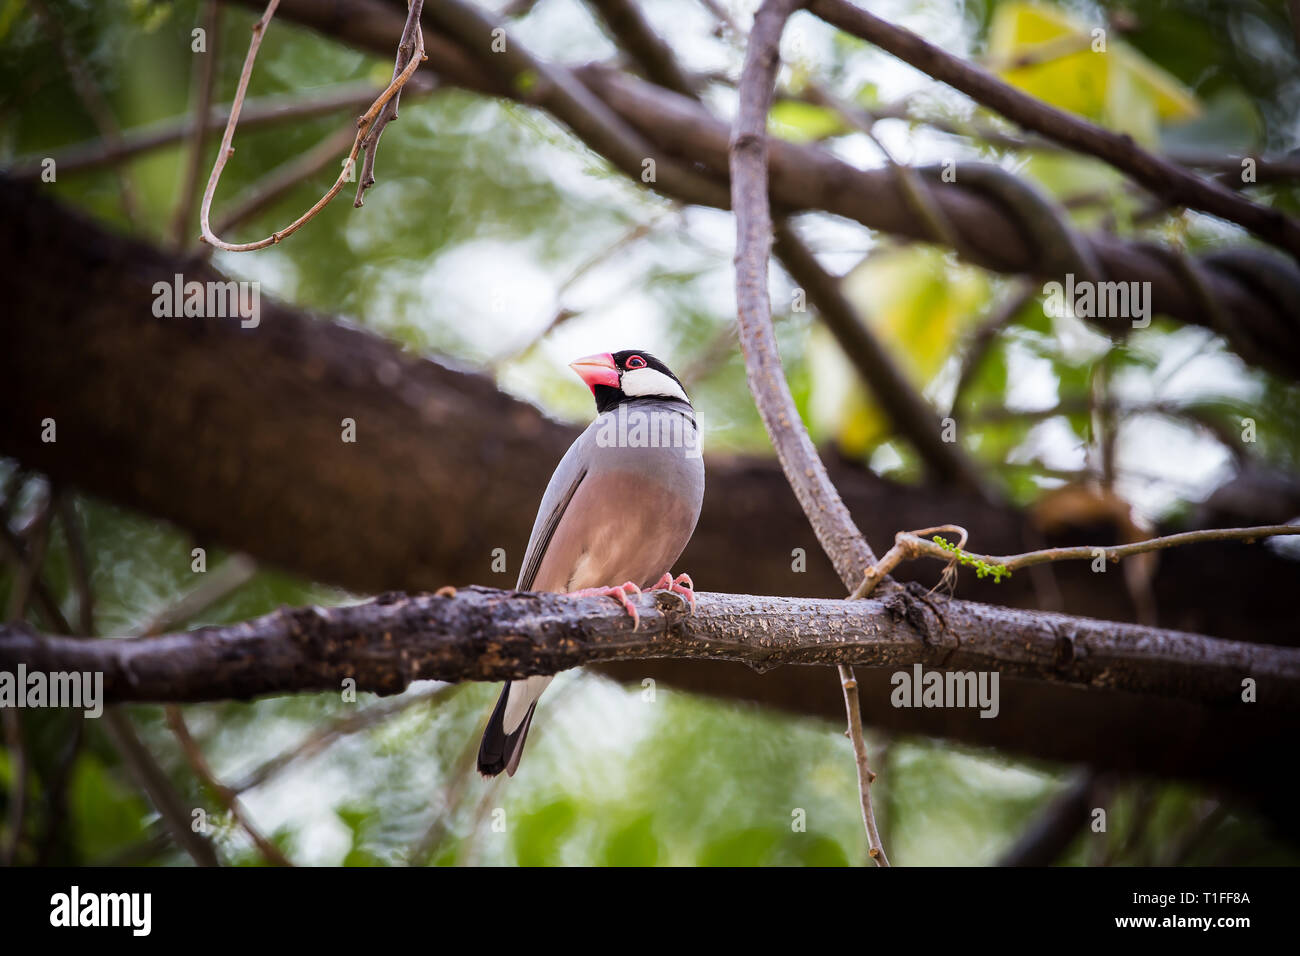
<point>641,382</point>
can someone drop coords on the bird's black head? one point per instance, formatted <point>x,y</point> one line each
<point>617,377</point>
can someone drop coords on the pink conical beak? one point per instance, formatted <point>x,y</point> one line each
<point>596,370</point>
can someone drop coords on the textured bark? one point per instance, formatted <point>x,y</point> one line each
<point>839,537</point>
<point>483,634</point>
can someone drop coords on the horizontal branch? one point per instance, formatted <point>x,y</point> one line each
<point>490,635</point>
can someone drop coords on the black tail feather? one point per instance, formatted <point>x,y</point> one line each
<point>500,750</point>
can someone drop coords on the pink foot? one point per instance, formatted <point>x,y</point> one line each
<point>676,585</point>
<point>620,594</point>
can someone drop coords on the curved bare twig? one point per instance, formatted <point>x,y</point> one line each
<point>364,124</point>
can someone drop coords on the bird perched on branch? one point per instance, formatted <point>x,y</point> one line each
<point>617,513</point>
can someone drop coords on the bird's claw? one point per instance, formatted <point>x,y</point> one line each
<point>620,593</point>
<point>676,586</point>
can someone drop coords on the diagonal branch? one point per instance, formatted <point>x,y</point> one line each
<point>839,536</point>
<point>556,89</point>
<point>1164,178</point>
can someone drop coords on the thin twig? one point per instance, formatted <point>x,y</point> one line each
<point>353,723</point>
<point>987,333</point>
<point>226,150</point>
<point>910,184</point>
<point>285,177</point>
<point>13,549</point>
<point>561,313</point>
<point>876,849</point>
<point>151,778</point>
<point>256,114</point>
<point>911,544</point>
<point>410,46</point>
<point>462,775</point>
<point>79,559</point>
<point>205,71</point>
<point>220,582</point>
<point>229,577</point>
<point>29,566</point>
<point>224,794</point>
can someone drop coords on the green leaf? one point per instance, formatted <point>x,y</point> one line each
<point>815,849</point>
<point>537,835</point>
<point>634,844</point>
<point>803,122</point>
<point>751,847</point>
<point>918,303</point>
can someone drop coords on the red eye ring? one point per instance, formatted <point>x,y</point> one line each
<point>634,362</point>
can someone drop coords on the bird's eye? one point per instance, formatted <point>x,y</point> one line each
<point>635,361</point>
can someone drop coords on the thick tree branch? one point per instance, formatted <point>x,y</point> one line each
<point>489,635</point>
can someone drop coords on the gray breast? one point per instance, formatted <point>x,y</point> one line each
<point>623,502</point>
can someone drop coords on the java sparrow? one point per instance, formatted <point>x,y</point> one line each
<point>620,507</point>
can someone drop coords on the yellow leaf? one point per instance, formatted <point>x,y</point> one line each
<point>1072,65</point>
<point>918,303</point>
